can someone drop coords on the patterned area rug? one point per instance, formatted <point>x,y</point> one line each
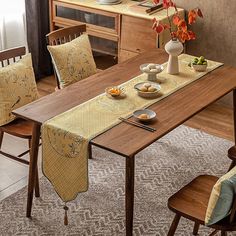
<point>161,170</point>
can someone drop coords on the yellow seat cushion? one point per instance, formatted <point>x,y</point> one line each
<point>73,61</point>
<point>17,87</point>
<point>221,199</point>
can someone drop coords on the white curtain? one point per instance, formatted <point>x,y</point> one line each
<point>12,24</point>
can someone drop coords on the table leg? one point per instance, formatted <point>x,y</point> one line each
<point>33,166</point>
<point>234,107</point>
<point>129,194</point>
<point>90,151</point>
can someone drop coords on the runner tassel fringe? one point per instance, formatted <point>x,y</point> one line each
<point>66,216</point>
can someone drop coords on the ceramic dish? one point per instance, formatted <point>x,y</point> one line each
<point>108,2</point>
<point>200,68</point>
<point>115,92</point>
<point>144,115</point>
<point>148,94</point>
<point>151,70</point>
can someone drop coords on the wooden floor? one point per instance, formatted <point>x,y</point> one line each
<point>216,120</point>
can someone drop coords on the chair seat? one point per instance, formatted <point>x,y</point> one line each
<point>232,153</point>
<point>19,127</point>
<point>192,200</point>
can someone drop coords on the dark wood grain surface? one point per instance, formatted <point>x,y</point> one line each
<point>172,111</point>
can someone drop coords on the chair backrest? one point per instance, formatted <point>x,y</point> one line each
<point>62,36</point>
<point>11,55</point>
<point>65,35</point>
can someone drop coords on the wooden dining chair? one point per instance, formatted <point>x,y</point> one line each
<point>191,202</point>
<point>232,156</point>
<point>19,128</point>
<point>62,36</point>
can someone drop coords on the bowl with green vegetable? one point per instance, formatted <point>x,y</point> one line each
<point>199,64</point>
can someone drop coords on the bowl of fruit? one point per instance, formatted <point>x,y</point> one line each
<point>199,64</point>
<point>115,92</point>
<point>148,90</point>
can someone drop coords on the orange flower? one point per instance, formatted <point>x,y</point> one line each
<point>192,16</point>
<point>182,33</point>
<point>182,25</point>
<point>199,13</point>
<point>176,19</point>
<point>156,1</point>
<point>191,35</point>
<point>185,35</point>
<point>168,3</point>
<point>157,26</point>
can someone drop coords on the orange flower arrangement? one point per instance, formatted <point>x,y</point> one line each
<point>182,32</point>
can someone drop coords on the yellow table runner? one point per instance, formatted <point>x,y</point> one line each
<point>66,137</point>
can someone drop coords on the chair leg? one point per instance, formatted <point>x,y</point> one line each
<point>37,192</point>
<point>223,233</point>
<point>90,151</point>
<point>174,225</point>
<point>196,228</point>
<point>1,138</point>
<point>232,165</point>
<point>214,232</point>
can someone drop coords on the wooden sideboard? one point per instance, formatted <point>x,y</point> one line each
<point>118,30</point>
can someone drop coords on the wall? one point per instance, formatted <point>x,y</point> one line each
<point>216,33</point>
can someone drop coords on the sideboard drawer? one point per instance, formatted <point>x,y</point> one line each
<point>137,34</point>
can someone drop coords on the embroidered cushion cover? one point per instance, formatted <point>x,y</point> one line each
<point>73,61</point>
<point>17,87</point>
<point>221,199</point>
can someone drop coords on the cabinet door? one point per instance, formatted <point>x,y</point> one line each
<point>103,27</point>
<point>99,44</point>
<point>137,34</point>
<point>104,46</point>
<point>95,19</point>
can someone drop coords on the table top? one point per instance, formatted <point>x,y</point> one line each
<point>124,8</point>
<point>125,139</point>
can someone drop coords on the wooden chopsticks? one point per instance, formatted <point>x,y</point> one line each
<point>146,127</point>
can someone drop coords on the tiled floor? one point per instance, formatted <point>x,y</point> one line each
<point>13,175</point>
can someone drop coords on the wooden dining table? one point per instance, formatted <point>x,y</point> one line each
<point>124,139</point>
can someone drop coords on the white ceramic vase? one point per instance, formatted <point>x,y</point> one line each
<point>174,47</point>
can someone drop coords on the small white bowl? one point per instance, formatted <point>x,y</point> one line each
<point>121,94</point>
<point>199,68</point>
<point>151,114</point>
<point>148,94</point>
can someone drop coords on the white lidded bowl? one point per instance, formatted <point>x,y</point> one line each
<point>151,114</point>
